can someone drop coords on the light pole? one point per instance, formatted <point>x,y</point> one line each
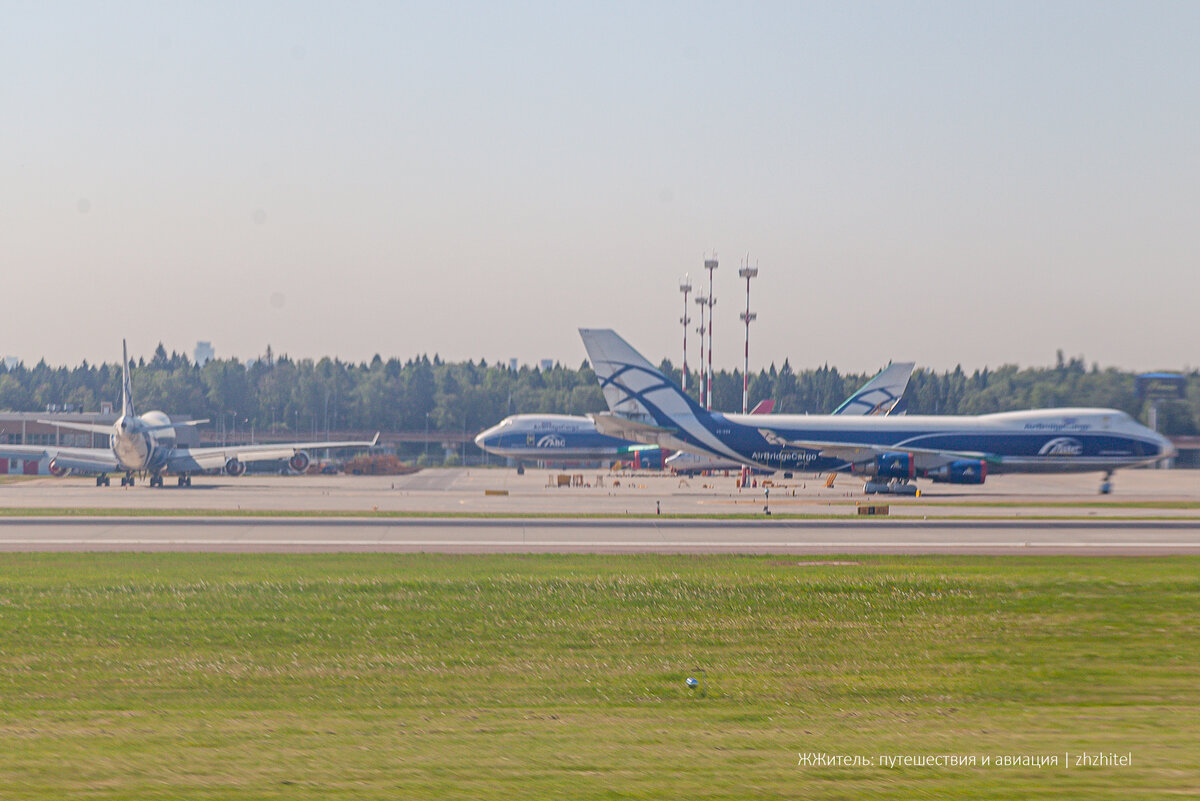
<point>747,272</point>
<point>685,286</point>
<point>711,266</point>
<point>702,302</point>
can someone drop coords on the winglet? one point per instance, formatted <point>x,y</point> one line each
<point>375,440</point>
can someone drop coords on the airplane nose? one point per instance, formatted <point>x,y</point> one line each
<point>481,439</point>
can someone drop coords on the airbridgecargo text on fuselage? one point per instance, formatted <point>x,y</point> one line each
<point>961,449</point>
<point>785,457</point>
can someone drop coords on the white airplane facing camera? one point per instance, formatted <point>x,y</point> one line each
<point>145,444</point>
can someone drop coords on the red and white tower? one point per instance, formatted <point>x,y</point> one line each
<point>711,266</point>
<point>685,286</point>
<point>748,316</point>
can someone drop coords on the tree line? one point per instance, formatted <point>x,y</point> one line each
<point>280,394</point>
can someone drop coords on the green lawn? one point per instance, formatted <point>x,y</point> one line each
<point>436,676</point>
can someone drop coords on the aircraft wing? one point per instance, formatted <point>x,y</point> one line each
<point>614,425</point>
<point>856,454</point>
<point>90,459</point>
<point>189,459</point>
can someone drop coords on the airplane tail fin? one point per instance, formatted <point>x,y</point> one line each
<point>633,387</point>
<point>654,405</point>
<point>126,385</point>
<point>882,395</point>
<point>764,407</point>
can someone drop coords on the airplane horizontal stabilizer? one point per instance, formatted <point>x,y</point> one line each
<point>181,424</point>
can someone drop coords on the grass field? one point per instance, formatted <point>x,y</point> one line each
<point>394,676</point>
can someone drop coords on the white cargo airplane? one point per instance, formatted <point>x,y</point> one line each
<point>882,395</point>
<point>890,451</point>
<point>145,444</point>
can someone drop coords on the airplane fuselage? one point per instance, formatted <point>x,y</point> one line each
<point>138,449</point>
<point>1049,440</point>
<point>556,438</point>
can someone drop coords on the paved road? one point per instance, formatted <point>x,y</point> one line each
<point>599,536</point>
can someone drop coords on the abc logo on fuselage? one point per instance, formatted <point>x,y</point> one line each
<point>1062,446</point>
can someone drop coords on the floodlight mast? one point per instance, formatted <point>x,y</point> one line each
<point>711,266</point>
<point>685,286</point>
<point>748,316</point>
<point>702,302</point>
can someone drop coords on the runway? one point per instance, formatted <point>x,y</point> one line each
<point>1112,538</point>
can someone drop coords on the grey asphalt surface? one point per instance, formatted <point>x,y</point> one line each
<point>1113,538</point>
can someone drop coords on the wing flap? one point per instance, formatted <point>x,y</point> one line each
<point>861,453</point>
<point>96,459</point>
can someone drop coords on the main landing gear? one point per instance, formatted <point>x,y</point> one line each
<point>1106,483</point>
<point>897,486</point>
<point>156,480</point>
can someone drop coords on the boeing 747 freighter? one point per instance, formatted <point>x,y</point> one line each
<point>145,444</point>
<point>889,451</point>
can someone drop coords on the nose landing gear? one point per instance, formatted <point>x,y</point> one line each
<point>1106,483</point>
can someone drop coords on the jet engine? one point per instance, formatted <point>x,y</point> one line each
<point>299,462</point>
<point>963,471</point>
<point>234,467</point>
<point>889,465</point>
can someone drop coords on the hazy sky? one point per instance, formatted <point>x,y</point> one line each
<point>949,183</point>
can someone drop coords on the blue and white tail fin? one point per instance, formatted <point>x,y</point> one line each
<point>633,386</point>
<point>126,384</point>
<point>882,395</point>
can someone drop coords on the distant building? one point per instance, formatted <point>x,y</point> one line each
<point>12,361</point>
<point>204,353</point>
<point>512,365</point>
<point>547,364</point>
